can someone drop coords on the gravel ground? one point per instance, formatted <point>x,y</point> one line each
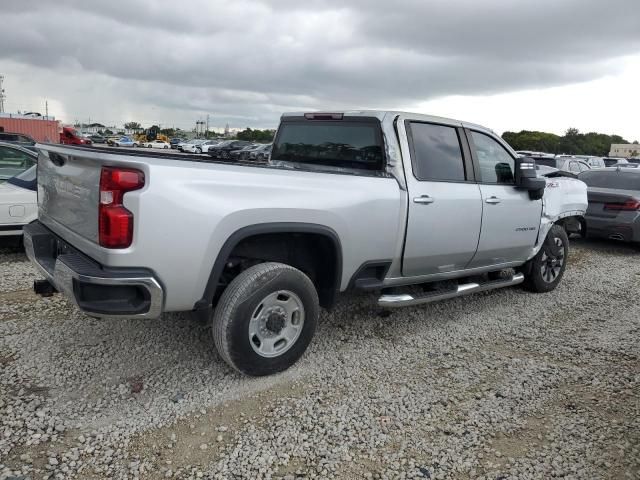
<point>498,385</point>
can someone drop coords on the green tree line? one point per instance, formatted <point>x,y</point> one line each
<point>260,136</point>
<point>572,142</point>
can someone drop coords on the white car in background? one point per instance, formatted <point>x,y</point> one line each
<point>156,144</point>
<point>188,143</point>
<point>198,146</point>
<point>18,202</point>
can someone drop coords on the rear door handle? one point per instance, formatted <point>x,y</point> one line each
<point>423,199</point>
<point>493,199</point>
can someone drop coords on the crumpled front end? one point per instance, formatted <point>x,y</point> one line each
<point>564,197</point>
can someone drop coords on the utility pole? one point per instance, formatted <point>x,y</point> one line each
<point>207,132</point>
<point>46,108</point>
<point>2,95</point>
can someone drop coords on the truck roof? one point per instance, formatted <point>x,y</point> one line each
<point>381,114</point>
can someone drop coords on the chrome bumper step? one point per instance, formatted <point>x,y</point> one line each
<point>407,300</point>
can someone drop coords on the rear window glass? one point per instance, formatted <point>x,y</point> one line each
<point>436,152</point>
<point>614,179</point>
<point>341,144</point>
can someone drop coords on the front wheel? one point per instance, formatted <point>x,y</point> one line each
<point>544,271</point>
<point>265,319</point>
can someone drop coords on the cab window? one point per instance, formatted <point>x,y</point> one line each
<point>496,164</point>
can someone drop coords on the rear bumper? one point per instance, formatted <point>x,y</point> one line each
<point>624,229</point>
<point>96,290</point>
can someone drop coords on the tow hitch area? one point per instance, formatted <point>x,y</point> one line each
<point>43,288</point>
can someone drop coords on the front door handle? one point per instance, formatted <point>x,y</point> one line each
<point>493,199</point>
<point>423,199</point>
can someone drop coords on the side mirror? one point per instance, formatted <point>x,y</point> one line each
<point>526,177</point>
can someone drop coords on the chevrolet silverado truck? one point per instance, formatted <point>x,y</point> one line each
<point>416,207</point>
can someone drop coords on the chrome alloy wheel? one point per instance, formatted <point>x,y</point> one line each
<point>276,323</point>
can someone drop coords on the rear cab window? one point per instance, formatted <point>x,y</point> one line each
<point>436,152</point>
<point>330,142</point>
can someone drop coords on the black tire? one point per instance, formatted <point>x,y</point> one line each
<point>544,271</point>
<point>242,300</point>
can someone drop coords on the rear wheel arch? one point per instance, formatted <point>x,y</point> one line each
<point>325,263</point>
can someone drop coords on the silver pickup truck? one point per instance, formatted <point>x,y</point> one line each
<point>419,208</point>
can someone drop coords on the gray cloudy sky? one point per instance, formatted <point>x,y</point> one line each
<point>509,64</point>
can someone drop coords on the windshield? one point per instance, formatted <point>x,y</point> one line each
<point>26,179</point>
<point>353,144</point>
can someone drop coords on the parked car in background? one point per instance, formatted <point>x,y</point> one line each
<point>205,146</point>
<point>186,143</point>
<point>416,207</point>
<point>174,142</point>
<point>223,150</point>
<point>261,154</point>
<point>15,159</point>
<point>611,161</point>
<point>625,165</point>
<point>614,203</point>
<point>243,153</point>
<point>592,161</point>
<point>70,136</point>
<point>156,144</point>
<point>112,138</point>
<point>20,139</point>
<point>125,142</point>
<point>18,202</point>
<point>192,145</point>
<point>95,138</point>
<point>564,163</point>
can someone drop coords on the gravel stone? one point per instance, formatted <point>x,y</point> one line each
<point>503,384</point>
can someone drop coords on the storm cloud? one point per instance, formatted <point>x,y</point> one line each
<point>244,62</point>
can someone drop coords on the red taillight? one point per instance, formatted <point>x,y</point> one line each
<point>629,205</point>
<point>115,223</point>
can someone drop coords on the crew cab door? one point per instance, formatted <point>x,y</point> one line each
<point>445,207</point>
<point>510,219</point>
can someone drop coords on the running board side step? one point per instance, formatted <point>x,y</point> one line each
<point>407,300</point>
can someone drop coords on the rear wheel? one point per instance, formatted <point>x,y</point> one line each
<point>198,150</point>
<point>544,271</point>
<point>265,319</point>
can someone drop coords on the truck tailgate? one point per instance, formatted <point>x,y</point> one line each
<point>68,191</point>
